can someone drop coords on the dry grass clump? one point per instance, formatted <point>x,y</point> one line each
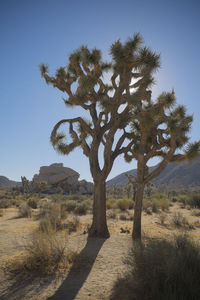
<point>46,252</point>
<point>162,218</point>
<point>161,269</point>
<point>24,211</point>
<point>72,224</point>
<point>179,220</point>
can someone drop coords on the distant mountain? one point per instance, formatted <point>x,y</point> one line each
<point>7,183</point>
<point>175,175</point>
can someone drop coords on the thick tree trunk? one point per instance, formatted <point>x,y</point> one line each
<point>138,212</point>
<point>99,225</point>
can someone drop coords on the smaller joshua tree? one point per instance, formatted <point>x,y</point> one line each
<point>160,129</point>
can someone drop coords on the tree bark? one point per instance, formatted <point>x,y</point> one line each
<point>99,224</point>
<point>136,234</point>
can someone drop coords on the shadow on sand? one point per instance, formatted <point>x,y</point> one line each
<point>76,277</point>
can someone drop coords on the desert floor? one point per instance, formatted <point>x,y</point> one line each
<point>102,259</point>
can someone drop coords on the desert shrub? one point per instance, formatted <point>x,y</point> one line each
<point>111,214</point>
<point>63,211</point>
<point>123,217</point>
<point>72,224</point>
<point>125,204</point>
<point>160,203</point>
<point>33,202</point>
<point>45,252</point>
<point>24,211</point>
<point>162,218</point>
<point>111,203</point>
<point>179,220</point>
<point>5,203</point>
<point>194,201</point>
<point>182,199</point>
<point>1,212</point>
<point>161,270</point>
<point>51,214</point>
<point>70,205</point>
<point>195,212</point>
<point>147,204</point>
<point>81,208</point>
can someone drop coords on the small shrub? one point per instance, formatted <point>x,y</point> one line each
<point>72,224</point>
<point>183,199</point>
<point>147,204</point>
<point>1,212</point>
<point>81,209</point>
<point>32,203</point>
<point>70,205</point>
<point>163,270</point>
<point>24,211</point>
<point>162,218</point>
<point>111,214</point>
<point>123,217</point>
<point>179,220</point>
<point>124,204</point>
<point>5,203</point>
<point>45,253</point>
<point>63,211</point>
<point>194,201</point>
<point>195,212</point>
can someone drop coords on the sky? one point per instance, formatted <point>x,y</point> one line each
<point>47,31</point>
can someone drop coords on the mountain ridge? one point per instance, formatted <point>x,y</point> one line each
<point>176,174</point>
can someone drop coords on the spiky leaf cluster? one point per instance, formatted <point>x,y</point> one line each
<point>132,67</point>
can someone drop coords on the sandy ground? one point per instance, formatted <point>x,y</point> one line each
<point>104,258</point>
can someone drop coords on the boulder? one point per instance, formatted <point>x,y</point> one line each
<point>58,176</point>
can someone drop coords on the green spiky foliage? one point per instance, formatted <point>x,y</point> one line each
<point>25,184</point>
<point>109,106</point>
<point>160,129</point>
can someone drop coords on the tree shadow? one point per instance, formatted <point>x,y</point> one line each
<point>23,283</point>
<point>79,271</point>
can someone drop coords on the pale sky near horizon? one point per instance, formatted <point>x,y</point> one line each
<point>32,32</point>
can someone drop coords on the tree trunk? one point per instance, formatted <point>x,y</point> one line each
<point>99,225</point>
<point>138,212</point>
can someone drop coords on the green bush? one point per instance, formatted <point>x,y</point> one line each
<point>194,201</point>
<point>125,204</point>
<point>81,208</point>
<point>183,199</point>
<point>161,270</point>
<point>160,203</point>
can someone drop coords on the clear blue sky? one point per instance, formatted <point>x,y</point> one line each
<point>47,31</point>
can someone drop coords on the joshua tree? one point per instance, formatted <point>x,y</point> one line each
<point>132,181</point>
<point>109,106</point>
<point>25,184</point>
<point>161,130</point>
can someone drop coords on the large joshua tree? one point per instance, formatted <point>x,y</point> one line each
<point>160,129</point>
<point>109,106</point>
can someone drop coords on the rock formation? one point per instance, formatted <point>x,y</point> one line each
<point>58,176</point>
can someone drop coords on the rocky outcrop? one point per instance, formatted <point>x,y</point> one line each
<point>58,176</point>
<point>85,187</point>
